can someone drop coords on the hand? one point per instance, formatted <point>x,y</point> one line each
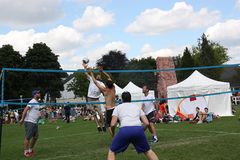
<point>85,65</point>
<point>21,122</point>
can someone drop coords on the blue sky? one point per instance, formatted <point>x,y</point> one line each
<point>75,29</point>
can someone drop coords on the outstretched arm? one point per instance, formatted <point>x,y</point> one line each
<point>85,67</point>
<point>102,88</point>
<point>105,74</point>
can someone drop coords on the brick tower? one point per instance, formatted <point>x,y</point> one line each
<point>165,79</point>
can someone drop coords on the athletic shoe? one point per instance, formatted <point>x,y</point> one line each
<point>32,153</point>
<point>27,155</point>
<point>154,140</point>
<point>199,122</point>
<point>99,129</point>
<point>104,129</point>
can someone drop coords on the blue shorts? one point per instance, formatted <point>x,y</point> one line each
<point>127,135</point>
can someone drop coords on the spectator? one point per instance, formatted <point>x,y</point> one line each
<point>67,110</point>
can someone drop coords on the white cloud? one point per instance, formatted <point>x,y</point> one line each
<point>227,33</point>
<point>59,39</point>
<point>93,17</point>
<point>96,54</point>
<point>25,13</point>
<point>148,51</point>
<point>234,53</point>
<point>237,5</point>
<point>181,16</point>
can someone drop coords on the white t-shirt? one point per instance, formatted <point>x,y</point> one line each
<point>33,113</point>
<point>129,114</point>
<point>148,105</point>
<point>93,90</point>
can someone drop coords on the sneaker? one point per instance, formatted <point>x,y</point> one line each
<point>99,129</point>
<point>104,129</point>
<point>32,153</point>
<point>27,154</point>
<point>199,122</point>
<point>154,140</point>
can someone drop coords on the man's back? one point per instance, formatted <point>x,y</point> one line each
<point>110,97</point>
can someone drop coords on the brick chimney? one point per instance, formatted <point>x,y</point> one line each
<point>165,79</point>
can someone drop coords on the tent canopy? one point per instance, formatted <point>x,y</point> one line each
<point>132,88</point>
<point>198,84</point>
<point>196,79</point>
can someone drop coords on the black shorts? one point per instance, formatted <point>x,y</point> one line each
<point>151,117</point>
<point>109,117</point>
<point>31,130</point>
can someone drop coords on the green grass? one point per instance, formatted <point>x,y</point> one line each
<point>219,140</point>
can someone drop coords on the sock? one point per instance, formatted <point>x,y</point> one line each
<point>30,150</point>
<point>155,137</point>
<point>25,151</point>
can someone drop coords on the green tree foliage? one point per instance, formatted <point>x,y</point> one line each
<point>114,60</point>
<point>187,60</point>
<point>79,85</point>
<point>140,79</point>
<point>13,81</point>
<point>40,56</point>
<point>209,53</point>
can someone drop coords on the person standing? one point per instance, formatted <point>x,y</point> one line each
<point>149,110</point>
<point>67,110</point>
<point>109,93</point>
<point>30,116</point>
<point>131,129</point>
<point>93,96</point>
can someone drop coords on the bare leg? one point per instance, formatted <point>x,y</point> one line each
<point>33,142</point>
<point>111,155</point>
<point>26,144</point>
<point>153,129</point>
<point>151,155</point>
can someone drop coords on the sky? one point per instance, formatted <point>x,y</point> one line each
<point>77,29</point>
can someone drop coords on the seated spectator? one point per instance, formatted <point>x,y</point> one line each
<point>197,116</point>
<point>206,117</point>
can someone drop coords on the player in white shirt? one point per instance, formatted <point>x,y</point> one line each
<point>131,129</point>
<point>149,110</point>
<point>30,117</point>
<point>93,96</point>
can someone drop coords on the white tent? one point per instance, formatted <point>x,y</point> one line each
<point>118,90</point>
<point>132,88</point>
<point>136,92</point>
<point>198,84</point>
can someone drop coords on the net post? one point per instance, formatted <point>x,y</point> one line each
<point>1,107</point>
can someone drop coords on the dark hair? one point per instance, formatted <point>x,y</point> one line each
<point>109,84</point>
<point>197,108</point>
<point>126,97</point>
<point>206,108</point>
<point>146,86</point>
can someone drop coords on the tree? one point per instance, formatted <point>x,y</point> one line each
<point>209,53</point>
<point>187,60</point>
<point>79,85</point>
<point>114,60</point>
<point>139,79</point>
<point>40,56</point>
<point>9,58</point>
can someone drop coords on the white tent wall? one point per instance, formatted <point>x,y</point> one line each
<point>198,84</point>
<point>136,92</point>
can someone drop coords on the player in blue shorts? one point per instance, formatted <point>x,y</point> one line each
<point>131,129</point>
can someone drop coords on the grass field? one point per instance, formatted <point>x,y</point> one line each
<point>219,140</point>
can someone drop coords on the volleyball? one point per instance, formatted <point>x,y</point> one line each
<point>85,60</point>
